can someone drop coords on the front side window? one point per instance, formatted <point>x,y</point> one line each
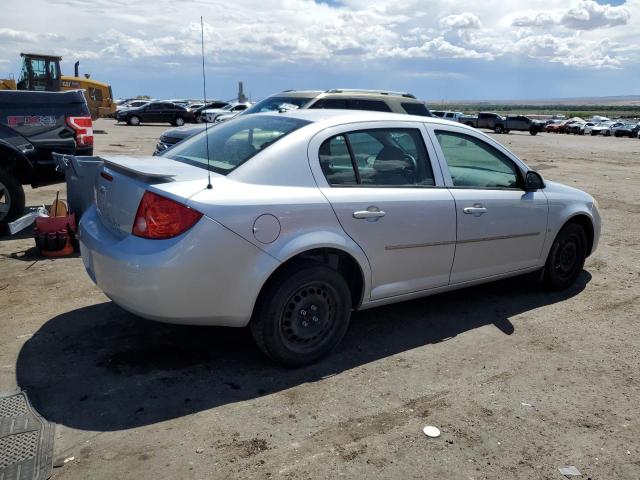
<point>474,163</point>
<point>233,143</point>
<point>377,157</point>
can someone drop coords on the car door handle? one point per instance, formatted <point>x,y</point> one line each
<point>475,210</point>
<point>369,214</point>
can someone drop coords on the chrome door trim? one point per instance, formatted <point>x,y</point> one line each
<point>499,237</point>
<point>417,245</point>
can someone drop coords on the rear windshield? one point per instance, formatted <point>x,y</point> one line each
<point>234,142</point>
<point>274,104</point>
<point>416,109</point>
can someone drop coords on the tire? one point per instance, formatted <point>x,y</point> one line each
<point>498,129</point>
<point>302,314</point>
<point>12,200</point>
<point>607,133</point>
<point>178,122</point>
<point>133,120</point>
<point>533,132</point>
<point>566,258</point>
<point>593,134</point>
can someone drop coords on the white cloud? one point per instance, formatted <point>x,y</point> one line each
<point>463,20</point>
<point>582,15</point>
<point>263,34</point>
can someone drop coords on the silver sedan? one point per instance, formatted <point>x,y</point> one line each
<point>289,222</point>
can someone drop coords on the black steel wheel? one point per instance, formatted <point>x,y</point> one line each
<point>566,257</point>
<point>302,314</point>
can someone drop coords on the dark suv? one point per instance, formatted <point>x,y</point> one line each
<point>154,112</point>
<point>343,99</point>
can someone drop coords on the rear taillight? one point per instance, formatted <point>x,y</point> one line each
<point>83,129</point>
<point>159,217</point>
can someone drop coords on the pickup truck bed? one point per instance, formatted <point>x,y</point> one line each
<point>33,125</point>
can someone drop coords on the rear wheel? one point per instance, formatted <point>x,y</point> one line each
<point>302,314</point>
<point>133,120</point>
<point>566,258</point>
<point>11,198</point>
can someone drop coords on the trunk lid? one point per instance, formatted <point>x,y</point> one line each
<point>122,181</point>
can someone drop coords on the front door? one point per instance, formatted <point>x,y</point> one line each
<point>501,227</point>
<point>390,200</point>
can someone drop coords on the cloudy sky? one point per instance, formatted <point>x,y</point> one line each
<point>437,49</point>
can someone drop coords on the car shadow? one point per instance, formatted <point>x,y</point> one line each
<point>100,368</point>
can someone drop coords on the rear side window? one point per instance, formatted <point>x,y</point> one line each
<point>416,109</point>
<point>335,162</point>
<point>337,103</point>
<point>377,157</point>
<point>352,104</point>
<point>371,105</point>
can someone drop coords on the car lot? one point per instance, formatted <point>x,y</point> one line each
<point>520,381</point>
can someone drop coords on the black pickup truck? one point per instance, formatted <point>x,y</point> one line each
<point>33,125</point>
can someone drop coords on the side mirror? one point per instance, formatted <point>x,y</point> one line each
<point>533,181</point>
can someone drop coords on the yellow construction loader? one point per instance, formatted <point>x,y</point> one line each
<point>42,72</point>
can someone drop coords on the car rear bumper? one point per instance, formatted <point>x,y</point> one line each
<point>206,276</point>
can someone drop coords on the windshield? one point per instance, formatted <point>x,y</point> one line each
<point>273,104</point>
<point>233,143</point>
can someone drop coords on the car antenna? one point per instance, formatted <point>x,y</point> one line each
<point>204,93</point>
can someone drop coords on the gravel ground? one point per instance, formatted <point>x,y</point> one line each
<point>520,381</point>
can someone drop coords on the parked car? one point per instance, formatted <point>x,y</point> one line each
<point>211,114</point>
<point>559,127</point>
<point>278,245</point>
<point>488,120</point>
<point>447,115</point>
<point>613,128</point>
<point>154,112</point>
<point>575,127</point>
<point>131,104</point>
<point>629,129</point>
<point>500,124</point>
<point>586,128</point>
<point>346,99</point>
<point>600,128</point>
<point>520,123</point>
<point>196,114</point>
<point>33,125</point>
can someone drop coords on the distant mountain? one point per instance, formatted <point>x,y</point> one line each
<point>628,100</point>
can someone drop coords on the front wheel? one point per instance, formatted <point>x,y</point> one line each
<point>533,132</point>
<point>133,120</point>
<point>11,198</point>
<point>179,122</point>
<point>499,129</point>
<point>302,314</point>
<point>566,258</point>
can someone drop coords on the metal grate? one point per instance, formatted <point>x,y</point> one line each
<point>13,406</point>
<point>18,448</point>
<point>26,440</point>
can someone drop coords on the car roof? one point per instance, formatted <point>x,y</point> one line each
<point>339,117</point>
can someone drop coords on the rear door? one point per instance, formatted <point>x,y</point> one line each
<point>389,197</point>
<point>501,227</point>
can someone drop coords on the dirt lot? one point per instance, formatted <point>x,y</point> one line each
<point>520,381</point>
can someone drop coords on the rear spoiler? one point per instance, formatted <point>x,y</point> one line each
<point>148,167</point>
